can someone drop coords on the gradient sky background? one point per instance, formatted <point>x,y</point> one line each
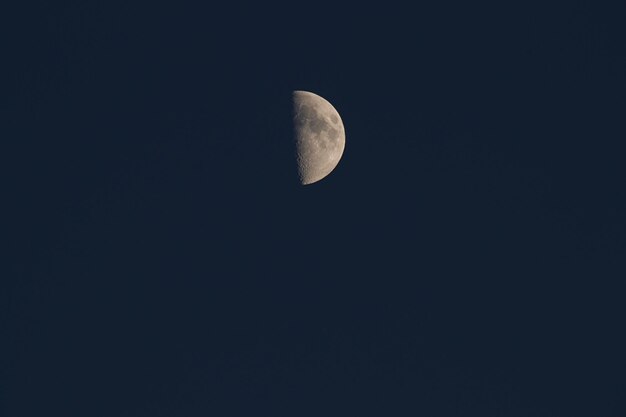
<point>466,257</point>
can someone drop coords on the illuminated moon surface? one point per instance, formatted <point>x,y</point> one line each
<point>319,136</point>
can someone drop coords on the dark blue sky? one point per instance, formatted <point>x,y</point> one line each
<point>465,258</point>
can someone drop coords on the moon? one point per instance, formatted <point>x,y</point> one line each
<point>319,136</point>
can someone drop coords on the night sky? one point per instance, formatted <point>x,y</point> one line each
<point>466,257</point>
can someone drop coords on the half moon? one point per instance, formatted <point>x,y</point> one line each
<point>319,136</point>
